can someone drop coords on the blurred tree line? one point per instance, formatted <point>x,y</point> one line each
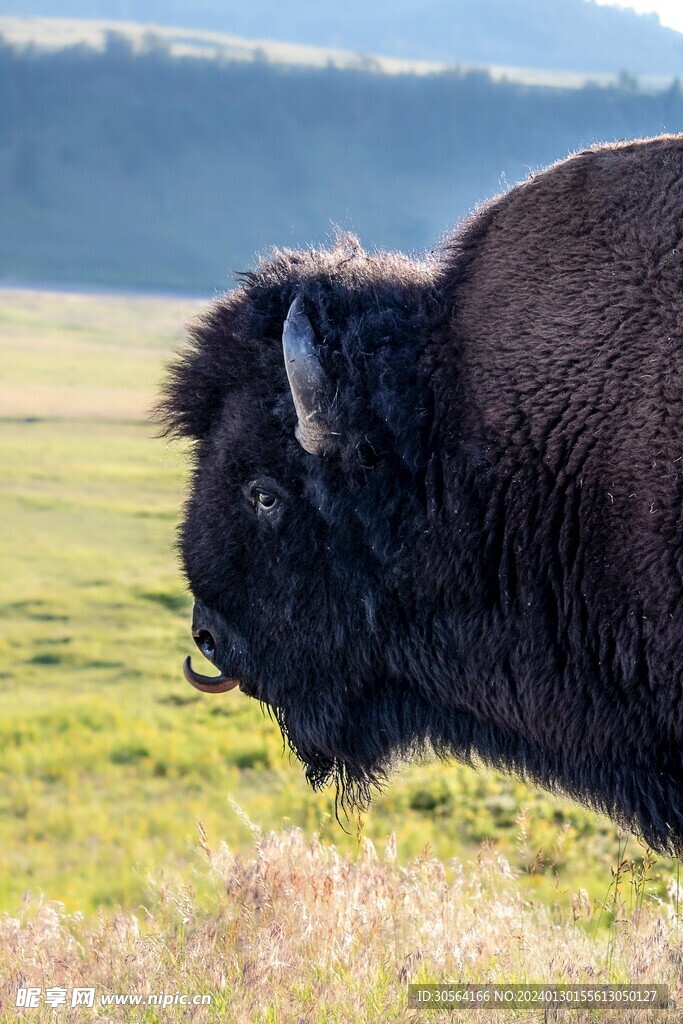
<point>141,169</point>
<point>582,35</point>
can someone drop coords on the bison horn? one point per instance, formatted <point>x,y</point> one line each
<point>306,380</point>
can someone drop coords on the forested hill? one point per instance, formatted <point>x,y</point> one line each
<point>578,35</point>
<point>124,169</point>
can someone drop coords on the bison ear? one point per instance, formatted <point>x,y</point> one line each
<point>307,381</point>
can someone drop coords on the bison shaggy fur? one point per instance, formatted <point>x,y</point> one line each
<point>486,558</point>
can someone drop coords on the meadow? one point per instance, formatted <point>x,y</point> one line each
<point>108,759</point>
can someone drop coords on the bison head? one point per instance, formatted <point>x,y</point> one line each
<point>302,392</point>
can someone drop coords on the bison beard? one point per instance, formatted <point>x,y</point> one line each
<point>437,504</point>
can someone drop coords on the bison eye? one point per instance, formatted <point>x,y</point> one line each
<point>263,499</point>
<point>266,500</point>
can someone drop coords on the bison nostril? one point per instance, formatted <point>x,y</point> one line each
<point>206,644</point>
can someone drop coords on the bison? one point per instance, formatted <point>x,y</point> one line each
<point>437,503</point>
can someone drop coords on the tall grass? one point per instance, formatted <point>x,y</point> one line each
<point>291,930</point>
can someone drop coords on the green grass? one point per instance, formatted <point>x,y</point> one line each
<point>107,757</point>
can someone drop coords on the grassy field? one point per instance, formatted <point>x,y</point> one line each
<point>107,757</point>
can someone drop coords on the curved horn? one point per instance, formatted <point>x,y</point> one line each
<point>208,684</point>
<point>306,380</point>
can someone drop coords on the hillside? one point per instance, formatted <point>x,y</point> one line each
<point>576,35</point>
<point>176,41</point>
<point>138,169</point>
